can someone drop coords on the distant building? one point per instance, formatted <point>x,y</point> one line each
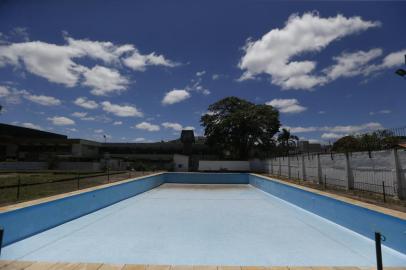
<point>307,147</point>
<point>26,144</point>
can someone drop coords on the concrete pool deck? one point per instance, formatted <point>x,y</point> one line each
<point>6,265</point>
<point>202,225</point>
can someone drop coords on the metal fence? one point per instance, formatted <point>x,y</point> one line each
<point>23,186</point>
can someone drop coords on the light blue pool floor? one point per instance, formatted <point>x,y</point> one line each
<point>202,225</point>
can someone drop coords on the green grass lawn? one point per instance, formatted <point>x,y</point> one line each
<point>51,183</point>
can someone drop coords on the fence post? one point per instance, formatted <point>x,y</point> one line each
<point>319,171</point>
<point>280,166</point>
<point>1,238</point>
<point>349,178</point>
<point>399,177</point>
<point>289,171</point>
<point>18,187</point>
<point>378,238</point>
<point>303,168</point>
<point>78,181</point>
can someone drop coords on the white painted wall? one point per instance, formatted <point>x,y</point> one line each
<point>223,165</point>
<point>181,163</point>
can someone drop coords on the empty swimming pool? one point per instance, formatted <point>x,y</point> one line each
<point>202,224</point>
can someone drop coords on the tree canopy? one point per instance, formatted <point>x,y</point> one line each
<point>236,127</point>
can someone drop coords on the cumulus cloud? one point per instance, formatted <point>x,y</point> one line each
<point>50,61</point>
<point>200,73</point>
<point>4,92</point>
<point>287,105</point>
<point>61,121</point>
<point>351,64</point>
<point>58,63</point>
<point>391,60</point>
<point>174,126</point>
<point>84,116</point>
<point>31,125</point>
<point>139,139</point>
<point>147,126</point>
<point>381,112</point>
<point>121,110</point>
<point>273,53</point>
<point>139,62</point>
<point>331,136</point>
<point>104,80</point>
<point>43,100</point>
<point>348,129</point>
<point>175,96</point>
<point>117,123</point>
<point>86,103</point>
<point>79,114</point>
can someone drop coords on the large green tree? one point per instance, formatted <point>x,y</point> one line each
<point>238,126</point>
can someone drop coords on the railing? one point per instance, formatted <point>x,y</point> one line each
<point>23,186</point>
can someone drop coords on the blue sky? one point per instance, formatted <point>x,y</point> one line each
<point>143,70</point>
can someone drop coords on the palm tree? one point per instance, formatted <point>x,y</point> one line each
<point>287,140</point>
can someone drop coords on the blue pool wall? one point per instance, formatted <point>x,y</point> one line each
<point>24,222</point>
<point>358,219</point>
<point>207,178</point>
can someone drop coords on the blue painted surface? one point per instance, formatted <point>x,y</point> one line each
<point>24,222</point>
<point>361,220</point>
<point>207,178</point>
<point>198,224</point>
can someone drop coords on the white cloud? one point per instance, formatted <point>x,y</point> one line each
<point>4,92</point>
<point>79,114</point>
<point>300,129</point>
<point>331,135</point>
<point>175,96</point>
<point>392,60</point>
<point>31,125</point>
<point>104,81</point>
<point>353,128</point>
<point>140,139</point>
<point>189,128</point>
<point>287,105</point>
<point>86,103</point>
<point>98,131</point>
<point>43,100</point>
<point>147,126</point>
<point>56,63</point>
<point>117,123</point>
<point>338,129</point>
<point>174,126</point>
<point>139,62</point>
<point>196,86</point>
<point>200,73</point>
<point>381,112</point>
<point>121,110</point>
<point>351,64</point>
<point>273,53</point>
<point>83,116</point>
<point>103,50</point>
<point>61,121</point>
<point>46,60</point>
